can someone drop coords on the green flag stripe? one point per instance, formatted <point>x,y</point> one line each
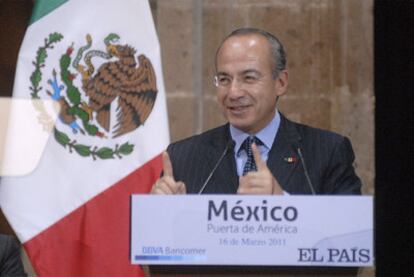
<point>44,7</point>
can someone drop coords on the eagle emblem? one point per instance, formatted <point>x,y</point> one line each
<point>105,101</point>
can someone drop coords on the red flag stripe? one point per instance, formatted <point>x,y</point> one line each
<point>94,240</point>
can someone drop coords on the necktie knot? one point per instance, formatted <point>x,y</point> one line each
<point>250,164</point>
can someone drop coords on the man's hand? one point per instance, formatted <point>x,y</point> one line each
<point>167,184</point>
<point>261,181</point>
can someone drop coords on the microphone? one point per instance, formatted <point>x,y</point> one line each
<point>229,146</point>
<point>305,169</point>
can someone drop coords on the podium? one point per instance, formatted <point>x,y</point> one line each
<point>235,235</point>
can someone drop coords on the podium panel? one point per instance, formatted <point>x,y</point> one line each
<point>240,231</point>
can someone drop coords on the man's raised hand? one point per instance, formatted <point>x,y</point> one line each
<point>167,184</point>
<point>261,181</point>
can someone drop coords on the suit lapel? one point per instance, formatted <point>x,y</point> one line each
<point>283,159</point>
<point>226,174</point>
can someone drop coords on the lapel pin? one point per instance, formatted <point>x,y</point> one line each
<point>290,159</point>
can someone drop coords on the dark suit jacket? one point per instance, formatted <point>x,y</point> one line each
<point>328,156</point>
<point>10,262</point>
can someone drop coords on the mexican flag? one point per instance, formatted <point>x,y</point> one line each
<point>100,60</point>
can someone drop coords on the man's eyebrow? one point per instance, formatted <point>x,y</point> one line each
<point>248,71</point>
<point>244,72</point>
<point>222,73</point>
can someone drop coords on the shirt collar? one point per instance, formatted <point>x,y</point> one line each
<point>266,135</point>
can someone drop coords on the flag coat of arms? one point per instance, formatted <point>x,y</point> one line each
<point>100,60</point>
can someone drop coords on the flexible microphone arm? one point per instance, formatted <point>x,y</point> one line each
<point>305,170</point>
<point>229,146</point>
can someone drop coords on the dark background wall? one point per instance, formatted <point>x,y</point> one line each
<point>394,120</point>
<point>14,16</point>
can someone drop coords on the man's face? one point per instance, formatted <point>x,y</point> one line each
<point>246,89</point>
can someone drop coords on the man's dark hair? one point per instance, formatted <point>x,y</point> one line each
<point>276,47</point>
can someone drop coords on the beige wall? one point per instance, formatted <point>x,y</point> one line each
<point>329,44</point>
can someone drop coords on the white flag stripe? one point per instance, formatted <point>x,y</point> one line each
<point>24,138</point>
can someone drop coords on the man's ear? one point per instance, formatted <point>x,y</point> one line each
<point>282,82</point>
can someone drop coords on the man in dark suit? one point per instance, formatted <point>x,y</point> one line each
<point>259,151</point>
<point>10,262</point>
